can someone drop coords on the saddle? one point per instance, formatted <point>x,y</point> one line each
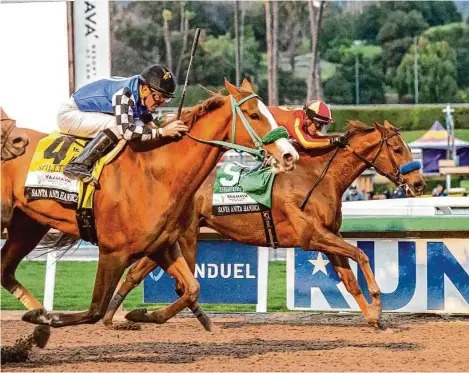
<point>45,179</point>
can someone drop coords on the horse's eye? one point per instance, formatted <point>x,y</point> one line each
<point>254,116</point>
<point>398,150</point>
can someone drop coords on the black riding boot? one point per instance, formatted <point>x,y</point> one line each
<point>81,167</point>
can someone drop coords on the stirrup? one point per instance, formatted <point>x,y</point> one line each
<point>91,180</point>
<point>73,173</point>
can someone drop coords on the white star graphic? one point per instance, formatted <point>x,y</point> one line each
<point>319,264</point>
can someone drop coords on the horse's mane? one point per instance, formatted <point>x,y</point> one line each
<point>355,127</point>
<point>189,116</point>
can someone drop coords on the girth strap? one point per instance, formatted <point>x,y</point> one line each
<point>269,228</point>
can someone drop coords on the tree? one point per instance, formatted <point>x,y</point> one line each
<point>270,67</point>
<point>396,35</point>
<point>433,12</point>
<point>275,53</point>
<point>437,72</point>
<point>340,88</point>
<point>215,57</point>
<point>237,44</point>
<point>185,34</point>
<point>457,35</point>
<point>167,16</point>
<point>370,22</point>
<point>315,18</point>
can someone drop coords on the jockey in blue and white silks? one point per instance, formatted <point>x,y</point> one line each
<point>109,110</point>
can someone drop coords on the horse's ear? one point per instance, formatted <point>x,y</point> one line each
<point>231,88</point>
<point>380,127</point>
<point>246,85</point>
<point>388,125</point>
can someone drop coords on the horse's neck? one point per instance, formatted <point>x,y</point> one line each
<point>349,169</point>
<point>183,165</point>
<point>344,169</point>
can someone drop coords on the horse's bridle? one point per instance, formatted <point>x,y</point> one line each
<point>259,152</point>
<point>396,177</point>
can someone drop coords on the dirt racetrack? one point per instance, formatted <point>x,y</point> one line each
<point>250,342</point>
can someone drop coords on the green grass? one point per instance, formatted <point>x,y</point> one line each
<point>75,280</point>
<point>410,136</point>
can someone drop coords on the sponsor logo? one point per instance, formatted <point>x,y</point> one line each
<point>424,277</point>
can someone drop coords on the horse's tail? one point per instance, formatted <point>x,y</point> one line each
<point>58,241</point>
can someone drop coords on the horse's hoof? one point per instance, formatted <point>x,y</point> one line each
<point>138,315</point>
<point>41,335</point>
<point>207,323</point>
<point>38,316</point>
<point>374,323</point>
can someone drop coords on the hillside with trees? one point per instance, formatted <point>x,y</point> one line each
<point>292,50</point>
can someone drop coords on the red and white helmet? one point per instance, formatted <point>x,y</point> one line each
<point>318,111</point>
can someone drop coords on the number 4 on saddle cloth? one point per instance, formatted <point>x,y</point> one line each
<point>46,180</point>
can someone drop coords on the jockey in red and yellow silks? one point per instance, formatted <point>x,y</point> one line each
<point>305,125</point>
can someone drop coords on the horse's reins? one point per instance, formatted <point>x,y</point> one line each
<point>259,152</point>
<point>318,180</point>
<point>8,132</point>
<point>396,179</point>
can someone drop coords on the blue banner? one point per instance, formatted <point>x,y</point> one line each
<point>414,276</point>
<point>227,272</point>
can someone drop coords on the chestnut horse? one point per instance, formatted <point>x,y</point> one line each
<point>315,228</point>
<point>141,207</point>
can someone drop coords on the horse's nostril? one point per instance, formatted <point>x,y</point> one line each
<point>17,140</point>
<point>288,157</point>
<point>419,185</point>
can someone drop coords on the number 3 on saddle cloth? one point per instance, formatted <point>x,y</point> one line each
<point>46,180</point>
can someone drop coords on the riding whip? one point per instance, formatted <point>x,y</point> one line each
<point>194,47</point>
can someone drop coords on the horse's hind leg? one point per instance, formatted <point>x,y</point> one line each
<point>17,246</point>
<point>134,277</point>
<point>173,262</point>
<point>342,267</point>
<point>329,243</point>
<point>111,266</point>
<point>24,234</point>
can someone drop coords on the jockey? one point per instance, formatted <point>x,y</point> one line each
<point>109,110</point>
<point>305,125</point>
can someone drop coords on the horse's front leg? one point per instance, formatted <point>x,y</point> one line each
<point>111,266</point>
<point>342,267</point>
<point>329,243</point>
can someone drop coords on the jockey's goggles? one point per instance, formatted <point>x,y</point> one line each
<point>321,121</point>
<point>158,96</point>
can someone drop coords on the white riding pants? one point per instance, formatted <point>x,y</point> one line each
<point>72,121</point>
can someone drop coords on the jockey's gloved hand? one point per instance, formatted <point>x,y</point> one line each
<point>174,129</point>
<point>339,141</point>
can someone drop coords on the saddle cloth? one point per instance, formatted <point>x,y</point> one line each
<point>46,180</point>
<point>240,189</point>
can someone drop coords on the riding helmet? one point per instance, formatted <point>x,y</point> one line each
<point>159,78</point>
<point>318,111</point>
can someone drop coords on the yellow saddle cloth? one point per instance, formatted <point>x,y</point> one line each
<point>46,180</point>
